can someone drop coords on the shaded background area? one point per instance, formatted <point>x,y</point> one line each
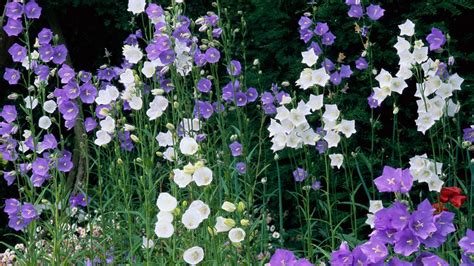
<point>90,26</point>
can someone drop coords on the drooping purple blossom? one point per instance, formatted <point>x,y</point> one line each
<point>17,52</point>
<point>66,73</point>
<point>375,12</point>
<point>234,68</point>
<point>12,76</point>
<point>64,162</point>
<point>9,113</point>
<point>32,10</point>
<point>241,167</point>
<point>328,38</point>
<point>300,174</point>
<point>436,39</point>
<point>88,93</point>
<point>45,36</point>
<point>203,109</point>
<point>361,63</point>
<point>316,48</point>
<point>235,148</point>
<point>154,11</point>
<point>13,27</point>
<point>342,256</point>
<point>78,200</point>
<point>355,11</point>
<point>60,54</point>
<point>212,55</point>
<point>68,109</point>
<point>49,142</point>
<point>252,95</point>
<point>204,85</point>
<point>28,211</point>
<point>240,99</point>
<point>316,185</point>
<point>306,35</point>
<point>345,71</point>
<point>46,52</point>
<point>467,242</point>
<point>468,134</point>
<point>9,177</point>
<point>305,22</point>
<point>107,74</point>
<point>12,206</point>
<point>13,10</point>
<point>90,124</point>
<point>321,28</point>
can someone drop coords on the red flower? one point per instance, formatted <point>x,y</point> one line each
<point>458,201</point>
<point>439,207</point>
<point>453,195</point>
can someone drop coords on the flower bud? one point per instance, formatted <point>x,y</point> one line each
<point>229,222</point>
<point>198,165</point>
<point>189,169</point>
<point>119,161</point>
<point>228,206</point>
<point>176,105</point>
<point>170,126</point>
<point>159,154</point>
<point>395,110</point>
<point>241,207</point>
<point>12,96</point>
<point>134,138</point>
<point>256,62</point>
<point>244,222</point>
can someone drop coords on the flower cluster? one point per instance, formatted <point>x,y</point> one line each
<point>405,231</point>
<point>20,215</point>
<point>435,86</point>
<point>427,171</point>
<point>356,10</point>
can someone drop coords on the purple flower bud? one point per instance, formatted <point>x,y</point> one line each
<point>9,177</point>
